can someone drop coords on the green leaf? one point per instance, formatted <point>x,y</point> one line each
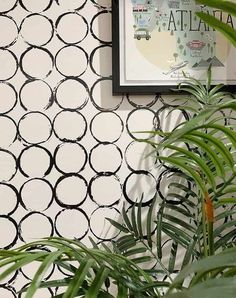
<point>208,80</point>
<point>94,244</point>
<point>226,29</point>
<point>97,282</point>
<point>223,260</point>
<point>226,156</point>
<point>213,288</point>
<point>225,214</point>
<point>159,231</point>
<point>199,162</point>
<point>183,166</point>
<point>195,123</point>
<point>190,251</point>
<point>142,259</point>
<point>172,258</point>
<point>227,131</point>
<point>126,242</point>
<point>39,275</point>
<point>177,221</point>
<point>224,201</point>
<point>180,210</point>
<point>214,158</point>
<point>139,219</point>
<point>126,219</point>
<point>56,283</point>
<point>135,251</point>
<point>133,221</point>
<point>182,242</point>
<point>106,248</point>
<point>149,223</point>
<point>224,240</point>
<point>118,226</point>
<point>78,279</point>
<point>27,259</point>
<point>220,229</point>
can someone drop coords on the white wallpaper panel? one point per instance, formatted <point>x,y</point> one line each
<point>68,152</point>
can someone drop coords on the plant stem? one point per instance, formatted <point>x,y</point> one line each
<point>204,227</point>
<point>220,191</point>
<point>158,260</point>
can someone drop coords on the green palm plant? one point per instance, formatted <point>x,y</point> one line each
<point>200,218</point>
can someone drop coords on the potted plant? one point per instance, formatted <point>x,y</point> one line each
<point>201,150</point>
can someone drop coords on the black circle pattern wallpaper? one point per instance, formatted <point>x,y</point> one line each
<point>69,155</point>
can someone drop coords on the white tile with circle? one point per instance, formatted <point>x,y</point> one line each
<point>71,190</point>
<point>77,223</point>
<point>71,4</point>
<point>35,226</point>
<point>35,161</point>
<point>69,126</point>
<point>36,6</point>
<point>106,158</point>
<point>37,63</point>
<point>8,165</point>
<point>170,119</point>
<point>140,185</point>
<point>36,101</point>
<point>71,61</point>
<point>107,127</point>
<point>70,158</point>
<point>34,122</point>
<point>101,61</point>
<point>8,131</point>
<point>10,33</point>
<point>8,97</point>
<point>45,293</point>
<point>30,269</point>
<point>36,195</point>
<point>8,65</point>
<point>71,28</point>
<point>6,6</point>
<point>71,94</point>
<point>8,198</point>
<point>105,196</point>
<point>100,226</point>
<point>36,29</point>
<point>8,232</point>
<point>141,120</point>
<point>103,3</point>
<point>140,156</point>
<point>7,293</point>
<point>6,282</point>
<point>102,98</point>
<point>102,33</point>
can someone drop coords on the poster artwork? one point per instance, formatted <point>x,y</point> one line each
<point>171,38</point>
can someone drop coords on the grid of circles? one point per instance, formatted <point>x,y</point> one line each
<point>43,111</point>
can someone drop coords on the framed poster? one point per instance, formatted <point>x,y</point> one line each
<point>155,41</point>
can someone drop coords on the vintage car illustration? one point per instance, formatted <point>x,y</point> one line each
<point>142,33</point>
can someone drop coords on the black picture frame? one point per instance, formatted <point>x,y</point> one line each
<point>117,87</point>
